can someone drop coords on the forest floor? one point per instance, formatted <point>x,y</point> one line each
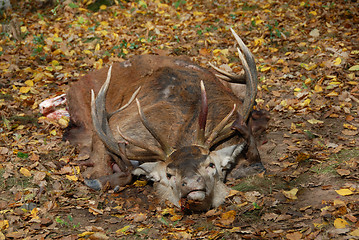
<point>307,57</point>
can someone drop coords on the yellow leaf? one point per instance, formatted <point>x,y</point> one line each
<point>232,193</point>
<point>64,122</point>
<point>140,183</point>
<point>355,233</point>
<point>97,47</point>
<point>297,89</point>
<point>354,68</point>
<point>104,23</point>
<point>57,52</point>
<point>87,52</point>
<point>315,121</point>
<point>103,7</point>
<point>337,202</point>
<point>196,13</point>
<point>98,64</point>
<point>123,230</point>
<point>340,223</point>
<point>25,172</point>
<point>53,132</point>
<point>34,213</point>
<point>306,102</point>
<point>29,83</point>
<point>344,192</point>
<point>291,194</point>
<point>25,89</point>
<point>314,13</point>
<point>337,61</point>
<point>318,89</point>
<point>284,103</point>
<point>259,21</point>
<point>84,234</point>
<point>265,69</point>
<point>335,83</point>
<point>57,39</point>
<point>72,178</point>
<point>55,63</point>
<point>4,224</point>
<point>258,41</point>
<point>332,94</point>
<point>348,126</point>
<point>23,29</point>
<point>176,218</point>
<point>311,67</point>
<point>308,81</point>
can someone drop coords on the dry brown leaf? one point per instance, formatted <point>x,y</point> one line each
<point>228,218</point>
<point>343,172</point>
<point>294,236</point>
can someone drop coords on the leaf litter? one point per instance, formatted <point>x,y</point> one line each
<point>307,59</point>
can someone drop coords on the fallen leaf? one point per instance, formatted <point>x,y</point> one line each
<point>291,194</point>
<point>4,224</point>
<point>354,68</point>
<point>314,33</point>
<point>140,217</point>
<point>343,172</point>
<point>25,172</point>
<point>340,223</point>
<point>294,236</point>
<point>349,132</point>
<point>337,61</point>
<point>228,217</point>
<point>315,121</point>
<point>344,192</point>
<point>355,233</point>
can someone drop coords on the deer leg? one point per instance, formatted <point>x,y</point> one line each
<point>252,153</point>
<point>253,163</point>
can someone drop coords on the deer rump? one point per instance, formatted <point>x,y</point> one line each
<point>185,132</point>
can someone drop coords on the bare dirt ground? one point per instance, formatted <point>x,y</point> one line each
<point>307,58</point>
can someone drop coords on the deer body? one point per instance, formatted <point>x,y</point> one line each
<point>180,130</point>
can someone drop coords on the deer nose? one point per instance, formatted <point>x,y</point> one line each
<point>193,182</point>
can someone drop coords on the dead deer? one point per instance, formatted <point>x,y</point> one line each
<point>169,119</point>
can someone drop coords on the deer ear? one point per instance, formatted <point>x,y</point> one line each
<point>152,170</point>
<point>224,157</point>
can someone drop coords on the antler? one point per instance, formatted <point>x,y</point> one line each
<point>229,77</point>
<point>250,69</point>
<point>100,119</point>
<point>162,153</point>
<point>224,129</point>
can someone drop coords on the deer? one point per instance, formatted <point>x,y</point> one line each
<point>169,119</point>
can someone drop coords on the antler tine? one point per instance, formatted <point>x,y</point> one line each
<point>164,145</point>
<point>229,77</point>
<point>100,122</point>
<point>134,95</point>
<point>100,116</point>
<point>217,130</point>
<point>156,151</point>
<point>251,74</point>
<point>224,130</point>
<point>202,118</point>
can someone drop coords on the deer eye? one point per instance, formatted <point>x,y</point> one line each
<point>169,175</point>
<point>211,165</point>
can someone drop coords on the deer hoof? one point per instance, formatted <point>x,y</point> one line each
<point>94,184</point>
